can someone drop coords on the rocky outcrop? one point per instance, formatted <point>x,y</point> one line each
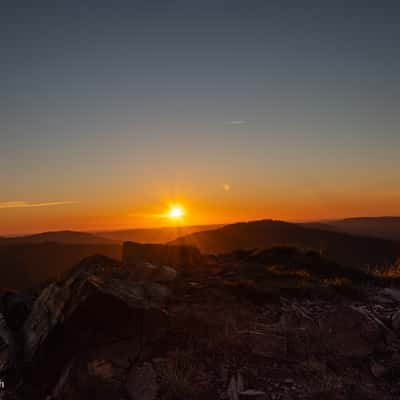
<point>7,349</point>
<point>145,271</point>
<point>110,330</point>
<point>348,332</point>
<point>236,390</point>
<point>251,394</point>
<point>57,303</point>
<point>268,343</point>
<point>142,383</point>
<point>392,294</point>
<point>84,333</point>
<point>158,254</point>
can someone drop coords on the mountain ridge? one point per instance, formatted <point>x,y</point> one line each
<point>386,227</point>
<point>64,237</point>
<point>347,249</point>
<point>154,235</point>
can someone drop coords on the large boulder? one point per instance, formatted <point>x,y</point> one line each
<point>57,303</point>
<point>158,254</point>
<point>392,294</point>
<point>96,322</point>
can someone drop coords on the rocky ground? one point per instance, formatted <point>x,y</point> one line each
<point>276,325</point>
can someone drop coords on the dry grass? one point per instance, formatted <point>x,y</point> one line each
<point>392,272</point>
<point>336,282</point>
<point>295,273</point>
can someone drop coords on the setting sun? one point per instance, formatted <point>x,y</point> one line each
<point>176,212</point>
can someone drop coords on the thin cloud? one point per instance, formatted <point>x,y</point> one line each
<point>25,204</point>
<point>236,122</point>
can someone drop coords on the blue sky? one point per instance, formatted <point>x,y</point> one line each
<point>97,94</point>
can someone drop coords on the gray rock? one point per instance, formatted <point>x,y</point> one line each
<point>266,343</point>
<point>391,293</point>
<point>396,322</point>
<point>142,271</point>
<point>236,386</point>
<point>62,383</point>
<point>145,271</point>
<point>232,390</point>
<point>142,383</point>
<point>7,348</point>
<point>251,394</point>
<point>240,382</point>
<point>377,369</point>
<point>165,274</point>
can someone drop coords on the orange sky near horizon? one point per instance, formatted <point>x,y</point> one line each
<point>227,207</point>
<point>111,111</point>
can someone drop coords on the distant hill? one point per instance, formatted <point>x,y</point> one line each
<point>321,226</point>
<point>27,265</point>
<point>65,237</point>
<point>156,235</point>
<point>383,227</point>
<point>345,249</point>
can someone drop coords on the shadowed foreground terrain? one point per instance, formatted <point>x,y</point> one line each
<point>275,324</point>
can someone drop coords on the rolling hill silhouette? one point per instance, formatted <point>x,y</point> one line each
<point>343,248</point>
<point>154,235</point>
<point>24,265</point>
<point>383,227</point>
<point>65,237</point>
<point>27,261</point>
<point>30,260</point>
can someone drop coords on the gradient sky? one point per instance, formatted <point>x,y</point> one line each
<point>111,109</point>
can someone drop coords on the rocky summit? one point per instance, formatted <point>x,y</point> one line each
<point>177,255</point>
<point>273,325</point>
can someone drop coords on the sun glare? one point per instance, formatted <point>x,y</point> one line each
<point>176,212</point>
